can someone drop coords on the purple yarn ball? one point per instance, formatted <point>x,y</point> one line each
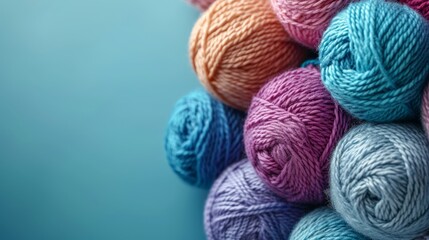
<point>292,127</point>
<point>240,206</point>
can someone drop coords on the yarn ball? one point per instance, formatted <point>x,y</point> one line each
<point>201,4</point>
<point>237,45</point>
<point>380,180</point>
<point>240,206</point>
<point>324,224</point>
<point>423,238</point>
<point>425,110</point>
<point>306,20</point>
<point>421,6</point>
<point>290,131</point>
<point>203,137</point>
<point>374,59</point>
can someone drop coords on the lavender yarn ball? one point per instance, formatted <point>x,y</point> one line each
<point>240,206</point>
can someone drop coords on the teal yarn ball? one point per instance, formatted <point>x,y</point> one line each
<point>203,137</point>
<point>324,224</point>
<point>374,60</point>
<point>379,180</point>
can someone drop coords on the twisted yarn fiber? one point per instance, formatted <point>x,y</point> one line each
<point>290,131</point>
<point>306,20</point>
<point>421,6</point>
<point>380,180</point>
<point>237,45</point>
<point>203,138</point>
<point>240,206</point>
<point>374,60</point>
<point>425,110</point>
<point>202,4</point>
<point>324,224</point>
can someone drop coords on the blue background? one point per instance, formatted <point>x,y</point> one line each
<point>86,89</point>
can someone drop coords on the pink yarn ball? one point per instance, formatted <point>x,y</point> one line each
<point>290,131</point>
<point>421,6</point>
<point>425,110</point>
<point>202,4</point>
<point>306,20</point>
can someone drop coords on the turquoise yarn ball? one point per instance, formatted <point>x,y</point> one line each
<point>374,60</point>
<point>203,137</point>
<point>324,224</point>
<point>379,179</point>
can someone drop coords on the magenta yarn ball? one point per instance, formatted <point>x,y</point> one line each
<point>202,4</point>
<point>421,6</point>
<point>306,20</point>
<point>290,131</point>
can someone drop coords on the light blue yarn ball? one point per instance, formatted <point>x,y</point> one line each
<point>203,137</point>
<point>324,224</point>
<point>379,180</point>
<point>374,60</point>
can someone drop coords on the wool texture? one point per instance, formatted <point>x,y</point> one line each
<point>425,110</point>
<point>203,137</point>
<point>237,45</point>
<point>324,224</point>
<point>380,180</point>
<point>421,6</point>
<point>290,131</point>
<point>423,238</point>
<point>202,4</point>
<point>306,20</point>
<point>374,60</point>
<point>240,206</point>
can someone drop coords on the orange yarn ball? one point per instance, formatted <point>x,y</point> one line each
<point>237,45</point>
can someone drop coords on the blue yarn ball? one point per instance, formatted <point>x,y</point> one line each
<point>324,224</point>
<point>203,137</point>
<point>240,206</point>
<point>380,180</point>
<point>374,60</point>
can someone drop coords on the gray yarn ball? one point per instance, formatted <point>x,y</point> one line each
<point>380,180</point>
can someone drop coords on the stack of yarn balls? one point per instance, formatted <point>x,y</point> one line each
<point>313,122</point>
